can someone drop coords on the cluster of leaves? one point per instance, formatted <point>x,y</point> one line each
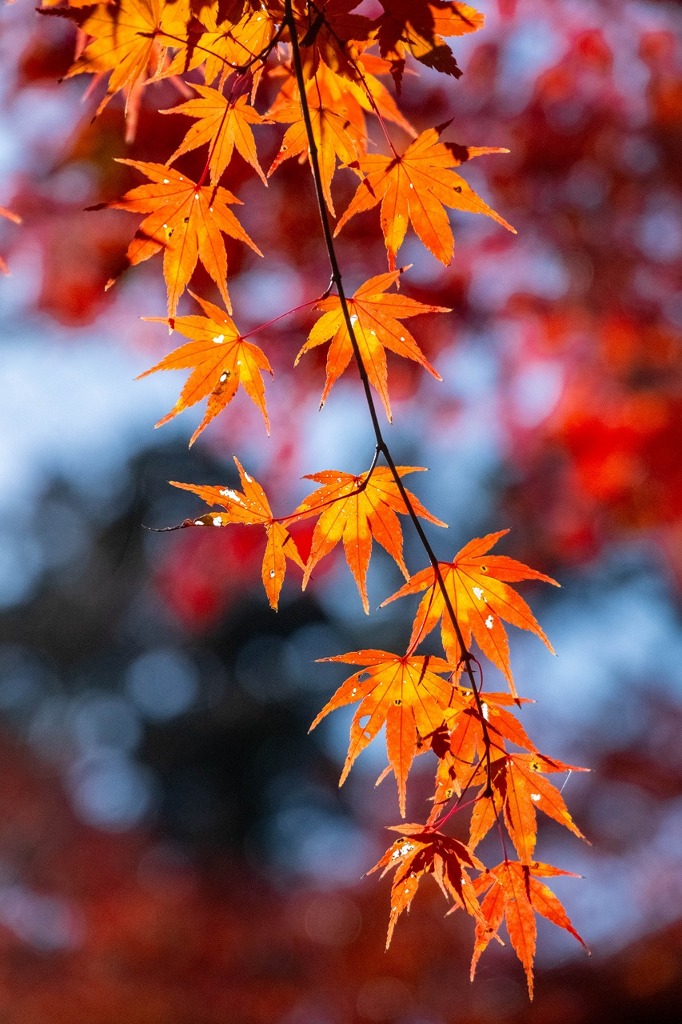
<point>321,66</point>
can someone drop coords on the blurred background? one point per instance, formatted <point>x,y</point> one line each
<point>173,845</point>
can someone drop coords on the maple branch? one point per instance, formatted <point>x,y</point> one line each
<point>466,657</point>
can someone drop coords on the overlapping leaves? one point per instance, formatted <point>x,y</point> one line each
<point>130,39</point>
<point>404,693</point>
<point>417,28</point>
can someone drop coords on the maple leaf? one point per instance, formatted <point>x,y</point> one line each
<point>337,120</point>
<point>518,789</point>
<point>406,693</point>
<point>476,584</point>
<point>375,319</point>
<point>221,361</point>
<point>416,187</point>
<point>417,27</point>
<point>422,851</point>
<point>355,509</point>
<point>515,894</point>
<point>249,507</point>
<point>130,40</point>
<point>185,220</point>
<point>222,125</point>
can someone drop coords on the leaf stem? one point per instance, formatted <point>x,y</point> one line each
<point>280,316</point>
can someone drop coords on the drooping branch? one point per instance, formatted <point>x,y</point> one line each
<point>467,658</point>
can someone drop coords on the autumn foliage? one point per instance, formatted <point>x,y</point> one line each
<point>330,80</point>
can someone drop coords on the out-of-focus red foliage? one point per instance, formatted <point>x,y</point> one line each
<point>104,928</point>
<point>597,184</point>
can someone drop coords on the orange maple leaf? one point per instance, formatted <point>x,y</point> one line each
<point>355,509</point>
<point>406,693</point>
<point>372,95</point>
<point>476,584</point>
<point>130,39</point>
<point>375,317</point>
<point>515,894</point>
<point>337,120</point>
<point>421,851</point>
<point>416,187</point>
<point>185,220</point>
<point>518,790</point>
<point>223,125</point>
<point>417,27</point>
<point>249,507</point>
<point>221,361</point>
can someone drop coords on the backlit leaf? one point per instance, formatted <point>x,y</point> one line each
<point>221,361</point>
<point>250,507</point>
<point>519,790</point>
<point>476,584</point>
<point>405,693</point>
<point>223,126</point>
<point>415,188</point>
<point>186,220</point>
<point>130,39</point>
<point>515,895</point>
<point>375,316</point>
<point>420,851</point>
<point>355,509</point>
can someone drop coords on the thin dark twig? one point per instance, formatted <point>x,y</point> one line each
<point>466,657</point>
